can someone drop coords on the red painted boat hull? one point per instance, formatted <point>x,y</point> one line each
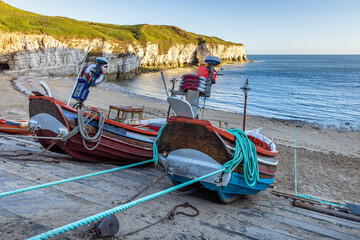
<point>119,144</point>
<point>13,127</point>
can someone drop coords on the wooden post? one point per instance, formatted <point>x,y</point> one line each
<point>326,211</point>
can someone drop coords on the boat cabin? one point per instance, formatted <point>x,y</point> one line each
<point>125,113</point>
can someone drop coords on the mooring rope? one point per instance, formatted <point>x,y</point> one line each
<point>245,151</point>
<point>80,128</point>
<point>70,179</point>
<point>296,192</point>
<point>82,122</point>
<point>74,225</point>
<point>156,146</point>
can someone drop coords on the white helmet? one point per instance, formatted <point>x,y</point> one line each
<point>101,60</point>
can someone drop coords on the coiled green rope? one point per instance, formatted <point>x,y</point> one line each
<point>98,216</point>
<point>245,151</point>
<point>69,179</point>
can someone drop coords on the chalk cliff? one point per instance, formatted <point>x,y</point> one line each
<point>42,54</point>
<point>31,43</point>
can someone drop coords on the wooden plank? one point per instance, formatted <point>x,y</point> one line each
<point>12,178</point>
<point>252,231</point>
<point>327,211</point>
<point>327,218</point>
<point>292,196</point>
<point>315,215</point>
<point>310,227</point>
<point>222,228</point>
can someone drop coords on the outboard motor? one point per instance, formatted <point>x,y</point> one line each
<point>89,77</point>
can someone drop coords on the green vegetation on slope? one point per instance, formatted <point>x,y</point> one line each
<point>62,28</point>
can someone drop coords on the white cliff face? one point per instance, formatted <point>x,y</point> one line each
<point>39,54</point>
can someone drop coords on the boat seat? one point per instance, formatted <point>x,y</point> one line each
<point>181,107</point>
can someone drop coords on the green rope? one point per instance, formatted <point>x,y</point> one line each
<point>251,173</point>
<point>70,179</point>
<point>155,159</point>
<point>296,137</point>
<point>307,196</point>
<point>156,146</point>
<point>98,216</point>
<point>318,200</point>
<point>245,151</point>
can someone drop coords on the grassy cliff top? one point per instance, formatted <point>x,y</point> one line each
<point>62,28</point>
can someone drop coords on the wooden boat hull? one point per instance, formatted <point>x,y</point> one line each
<point>193,148</point>
<point>14,127</point>
<point>119,144</point>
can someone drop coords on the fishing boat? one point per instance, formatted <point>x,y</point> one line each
<point>117,143</point>
<point>190,148</point>
<point>85,133</point>
<point>14,127</point>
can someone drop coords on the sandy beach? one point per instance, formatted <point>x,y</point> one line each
<point>328,162</point>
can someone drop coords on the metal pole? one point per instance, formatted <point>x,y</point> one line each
<point>245,89</point>
<point>172,89</point>
<point>203,109</point>
<point>163,78</point>
<point>77,78</point>
<point>245,112</point>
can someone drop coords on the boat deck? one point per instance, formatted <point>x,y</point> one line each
<point>261,216</point>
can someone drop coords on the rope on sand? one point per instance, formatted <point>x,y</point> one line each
<point>247,151</point>
<point>307,196</point>
<point>98,216</point>
<point>69,179</point>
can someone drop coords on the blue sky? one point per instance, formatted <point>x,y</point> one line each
<point>264,26</point>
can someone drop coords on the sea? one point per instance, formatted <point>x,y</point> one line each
<point>323,90</point>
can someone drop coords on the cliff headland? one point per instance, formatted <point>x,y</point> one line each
<point>35,44</point>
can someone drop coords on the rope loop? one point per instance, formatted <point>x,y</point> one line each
<point>245,151</point>
<point>83,121</point>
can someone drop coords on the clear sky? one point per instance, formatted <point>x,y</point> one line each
<point>264,26</point>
